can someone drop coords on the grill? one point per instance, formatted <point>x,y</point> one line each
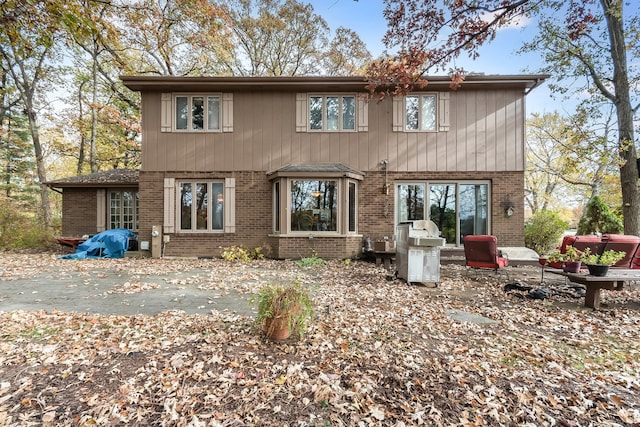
<point>418,251</point>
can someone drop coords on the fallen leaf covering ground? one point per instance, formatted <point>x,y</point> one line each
<point>378,352</point>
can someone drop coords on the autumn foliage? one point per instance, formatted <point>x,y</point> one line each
<point>378,352</point>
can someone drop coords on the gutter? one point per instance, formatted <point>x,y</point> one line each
<point>537,83</point>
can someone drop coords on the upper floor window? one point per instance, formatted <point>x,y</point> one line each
<point>332,112</point>
<point>420,112</point>
<point>197,112</point>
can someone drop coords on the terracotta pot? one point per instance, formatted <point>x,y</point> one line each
<point>598,269</point>
<point>277,329</point>
<point>572,266</point>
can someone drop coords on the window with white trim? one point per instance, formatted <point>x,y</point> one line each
<point>315,205</point>
<point>201,206</point>
<point>352,207</point>
<point>276,206</point>
<point>332,112</point>
<point>420,112</point>
<point>123,209</point>
<point>199,112</point>
<point>457,208</point>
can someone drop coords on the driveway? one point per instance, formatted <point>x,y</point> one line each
<point>126,286</point>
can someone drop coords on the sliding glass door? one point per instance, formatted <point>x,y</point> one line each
<point>457,208</point>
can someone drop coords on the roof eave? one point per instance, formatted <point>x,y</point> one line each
<point>308,175</point>
<point>54,184</point>
<point>353,83</point>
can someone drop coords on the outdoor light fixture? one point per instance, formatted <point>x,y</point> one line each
<point>508,212</point>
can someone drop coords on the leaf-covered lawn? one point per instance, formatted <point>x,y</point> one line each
<point>379,352</point>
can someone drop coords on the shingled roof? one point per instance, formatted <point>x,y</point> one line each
<point>110,178</point>
<point>319,169</point>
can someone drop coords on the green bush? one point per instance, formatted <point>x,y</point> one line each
<point>33,236</point>
<point>599,218</point>
<point>543,230</point>
<point>21,231</point>
<point>311,261</point>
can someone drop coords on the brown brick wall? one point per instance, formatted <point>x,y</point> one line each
<point>79,210</point>
<point>253,213</point>
<point>324,247</point>
<point>508,190</point>
<point>377,209</point>
<point>375,213</point>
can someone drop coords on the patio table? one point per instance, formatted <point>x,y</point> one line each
<point>614,280</point>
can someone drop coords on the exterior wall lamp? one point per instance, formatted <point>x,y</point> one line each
<point>508,212</point>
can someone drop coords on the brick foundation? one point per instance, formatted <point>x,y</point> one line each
<point>376,217</point>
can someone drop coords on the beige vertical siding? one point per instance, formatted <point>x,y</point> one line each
<point>486,135</point>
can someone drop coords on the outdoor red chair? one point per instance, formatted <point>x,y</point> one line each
<point>591,241</point>
<point>622,242</point>
<point>481,252</point>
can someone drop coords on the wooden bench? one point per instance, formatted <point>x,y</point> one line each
<point>70,241</point>
<point>384,257</point>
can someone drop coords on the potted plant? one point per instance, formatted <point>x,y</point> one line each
<point>598,265</point>
<point>570,259</point>
<point>283,310</point>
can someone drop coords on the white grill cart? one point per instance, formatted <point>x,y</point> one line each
<point>418,246</point>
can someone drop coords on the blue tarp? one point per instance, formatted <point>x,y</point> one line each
<point>107,244</point>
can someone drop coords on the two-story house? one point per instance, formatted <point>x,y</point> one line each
<point>303,164</point>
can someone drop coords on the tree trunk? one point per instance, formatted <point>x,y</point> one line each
<point>94,115</point>
<point>83,138</point>
<point>40,166</point>
<point>624,111</point>
<point>7,180</point>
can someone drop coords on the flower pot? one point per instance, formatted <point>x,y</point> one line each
<point>277,329</point>
<point>572,266</point>
<point>598,269</point>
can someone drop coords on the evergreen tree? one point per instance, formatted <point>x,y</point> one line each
<point>599,218</point>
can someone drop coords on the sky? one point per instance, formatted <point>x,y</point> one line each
<point>498,57</point>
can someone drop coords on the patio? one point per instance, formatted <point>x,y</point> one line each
<point>379,352</point>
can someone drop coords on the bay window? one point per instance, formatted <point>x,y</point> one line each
<point>314,205</point>
<point>315,200</point>
<point>352,203</point>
